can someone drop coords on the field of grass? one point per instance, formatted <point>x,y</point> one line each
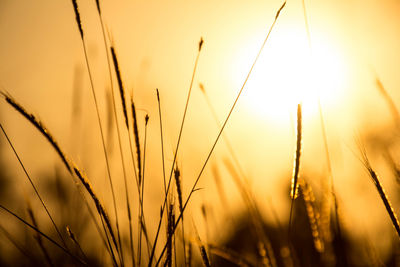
<point>160,158</point>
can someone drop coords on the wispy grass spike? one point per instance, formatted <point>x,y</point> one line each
<point>203,252</point>
<point>98,6</point>
<point>313,215</point>
<point>294,185</point>
<point>137,142</point>
<point>82,177</point>
<point>40,126</point>
<point>201,42</point>
<point>170,234</point>
<point>120,85</point>
<point>296,170</point>
<point>177,175</point>
<point>78,17</point>
<point>162,141</point>
<point>381,190</point>
<point>73,238</point>
<point>279,10</point>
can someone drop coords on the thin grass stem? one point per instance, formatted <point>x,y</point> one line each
<point>224,124</point>
<point>177,146</point>
<point>162,141</point>
<point>118,134</point>
<point>43,235</point>
<point>33,186</point>
<point>296,169</point>
<point>119,247</point>
<point>70,166</point>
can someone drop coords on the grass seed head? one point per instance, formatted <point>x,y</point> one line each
<point>77,17</point>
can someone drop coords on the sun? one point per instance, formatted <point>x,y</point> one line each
<point>290,71</point>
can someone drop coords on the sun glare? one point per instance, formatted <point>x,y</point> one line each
<point>289,72</point>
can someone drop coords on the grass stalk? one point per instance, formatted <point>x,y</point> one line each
<point>77,15</point>
<point>33,186</point>
<point>202,249</point>
<point>139,164</point>
<point>296,169</point>
<point>39,126</point>
<point>76,242</point>
<point>70,166</point>
<point>120,85</point>
<point>312,214</point>
<point>380,189</point>
<point>142,189</point>
<point>327,209</point>
<point>137,143</point>
<point>170,234</point>
<point>177,148</point>
<point>177,176</point>
<point>121,89</point>
<point>226,120</point>
<point>142,222</point>
<point>162,141</point>
<point>100,209</point>
<point>43,235</point>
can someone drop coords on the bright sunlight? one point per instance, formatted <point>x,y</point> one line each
<point>289,71</point>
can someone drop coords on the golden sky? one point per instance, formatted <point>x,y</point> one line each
<point>156,41</point>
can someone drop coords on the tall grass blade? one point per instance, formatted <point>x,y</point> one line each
<point>76,242</point>
<point>177,176</point>
<point>119,249</point>
<point>177,145</point>
<point>203,252</point>
<point>162,141</point>
<point>33,186</point>
<point>39,125</point>
<point>71,167</point>
<point>137,142</point>
<point>78,18</point>
<point>142,223</point>
<point>118,131</point>
<point>380,189</point>
<point>120,85</point>
<point>296,169</point>
<point>227,119</point>
<point>43,235</point>
<point>170,234</point>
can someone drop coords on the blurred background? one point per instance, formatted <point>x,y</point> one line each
<point>351,45</point>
